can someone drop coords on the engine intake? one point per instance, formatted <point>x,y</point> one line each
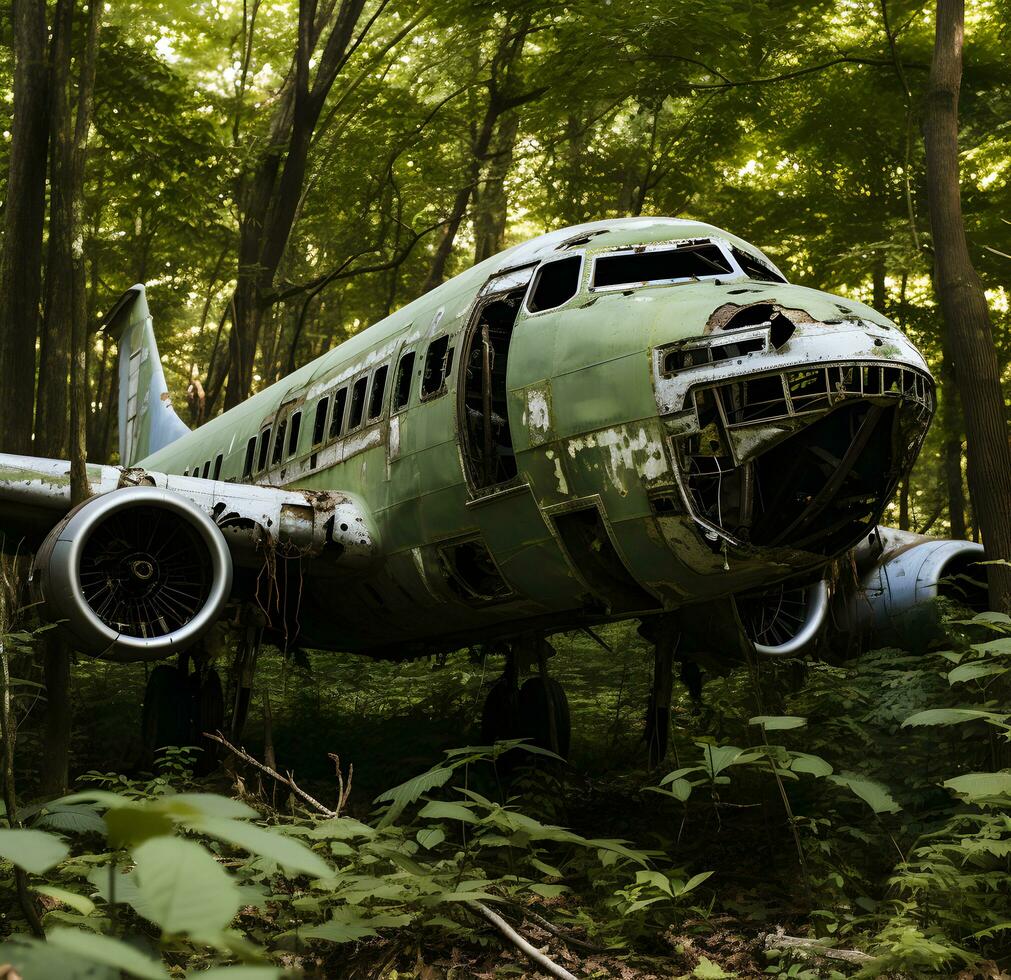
<point>784,621</point>
<point>134,574</point>
<point>899,575</point>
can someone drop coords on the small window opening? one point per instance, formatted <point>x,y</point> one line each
<point>435,367</point>
<point>378,391</point>
<point>275,456</point>
<point>319,422</point>
<point>402,388</point>
<point>247,466</point>
<point>206,470</point>
<point>186,472</point>
<point>357,403</point>
<point>555,283</point>
<point>217,465</point>
<point>753,268</point>
<point>296,425</point>
<point>337,419</point>
<point>660,265</point>
<point>261,454</point>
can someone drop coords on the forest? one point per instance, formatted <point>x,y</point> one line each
<point>281,174</point>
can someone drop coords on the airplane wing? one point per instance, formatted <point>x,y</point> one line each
<point>146,565</point>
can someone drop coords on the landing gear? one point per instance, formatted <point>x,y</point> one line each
<point>181,703</point>
<point>670,645</point>
<point>179,707</point>
<point>658,713</point>
<point>166,714</point>
<point>537,711</point>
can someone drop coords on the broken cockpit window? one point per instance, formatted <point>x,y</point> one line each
<point>657,266</point>
<point>754,268</point>
<point>555,284</point>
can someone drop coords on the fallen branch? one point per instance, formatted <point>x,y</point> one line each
<point>814,948</point>
<point>288,780</point>
<point>548,926</point>
<point>531,952</point>
<point>524,946</point>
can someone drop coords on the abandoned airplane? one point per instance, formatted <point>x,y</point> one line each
<point>635,418</point>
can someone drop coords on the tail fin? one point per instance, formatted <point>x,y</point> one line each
<point>147,421</point>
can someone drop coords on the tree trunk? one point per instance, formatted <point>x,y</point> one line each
<point>51,412</point>
<point>24,215</point>
<point>492,211</point>
<point>269,201</point>
<point>65,329</point>
<point>963,305</point>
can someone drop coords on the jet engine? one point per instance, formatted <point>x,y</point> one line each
<point>899,575</point>
<point>133,574</point>
<point>784,621</point>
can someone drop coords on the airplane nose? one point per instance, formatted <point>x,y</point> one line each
<point>791,433</point>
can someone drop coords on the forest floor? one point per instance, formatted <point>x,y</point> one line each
<point>390,722</point>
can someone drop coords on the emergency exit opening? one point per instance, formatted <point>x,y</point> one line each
<point>487,441</point>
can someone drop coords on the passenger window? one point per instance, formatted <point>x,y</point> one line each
<point>357,403</point>
<point>555,284</point>
<point>247,466</point>
<point>261,455</point>
<point>402,388</point>
<point>207,469</point>
<point>337,421</point>
<point>378,391</point>
<point>319,422</point>
<point>275,456</point>
<point>217,465</point>
<point>296,425</point>
<point>435,367</point>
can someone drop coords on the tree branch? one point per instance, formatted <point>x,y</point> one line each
<point>530,951</point>
<point>288,780</point>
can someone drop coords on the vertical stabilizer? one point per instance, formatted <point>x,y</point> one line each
<point>147,420</point>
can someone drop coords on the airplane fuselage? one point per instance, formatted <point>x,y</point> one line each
<point>607,421</point>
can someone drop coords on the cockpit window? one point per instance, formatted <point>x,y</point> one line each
<point>754,268</point>
<point>555,284</point>
<point>668,265</point>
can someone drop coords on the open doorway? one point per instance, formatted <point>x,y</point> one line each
<point>487,440</point>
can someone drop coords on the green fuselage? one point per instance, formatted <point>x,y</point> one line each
<point>554,503</point>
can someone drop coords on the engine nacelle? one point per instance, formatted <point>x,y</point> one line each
<point>899,577</point>
<point>786,620</point>
<point>134,574</point>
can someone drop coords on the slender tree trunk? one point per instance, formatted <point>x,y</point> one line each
<point>879,297</point>
<point>24,216</point>
<point>492,210</point>
<point>52,423</point>
<point>964,307</point>
<point>65,328</point>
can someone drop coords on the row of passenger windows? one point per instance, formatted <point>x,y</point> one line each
<point>205,470</point>
<point>342,412</point>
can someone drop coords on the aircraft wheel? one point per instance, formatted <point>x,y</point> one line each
<point>166,713</point>
<point>500,714</point>
<point>208,715</point>
<point>539,698</point>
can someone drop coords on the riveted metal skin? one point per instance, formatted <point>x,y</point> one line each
<point>634,429</point>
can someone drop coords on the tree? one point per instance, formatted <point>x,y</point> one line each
<point>24,215</point>
<point>271,191</point>
<point>964,307</point>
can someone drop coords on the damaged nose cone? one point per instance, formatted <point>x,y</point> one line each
<point>791,434</point>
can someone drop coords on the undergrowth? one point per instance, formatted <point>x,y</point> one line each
<point>812,821</point>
